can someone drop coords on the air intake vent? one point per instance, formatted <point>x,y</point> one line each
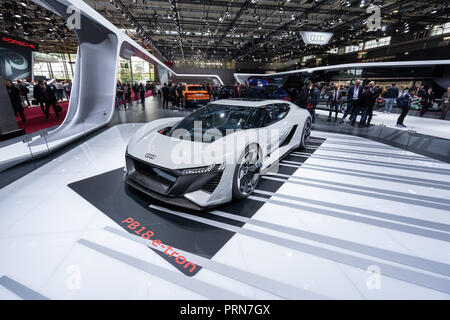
<point>212,184</point>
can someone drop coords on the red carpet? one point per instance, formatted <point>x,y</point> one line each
<point>36,119</point>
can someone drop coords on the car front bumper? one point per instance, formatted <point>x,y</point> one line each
<point>189,191</point>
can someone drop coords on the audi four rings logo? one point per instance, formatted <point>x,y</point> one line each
<point>317,38</point>
<point>151,156</point>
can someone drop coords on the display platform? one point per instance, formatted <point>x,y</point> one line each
<point>348,218</point>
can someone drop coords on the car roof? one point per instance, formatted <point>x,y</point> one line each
<point>248,102</point>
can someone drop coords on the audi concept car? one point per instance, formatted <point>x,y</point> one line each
<point>215,154</point>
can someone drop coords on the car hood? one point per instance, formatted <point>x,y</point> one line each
<point>165,151</point>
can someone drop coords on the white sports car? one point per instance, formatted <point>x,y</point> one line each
<point>215,154</point>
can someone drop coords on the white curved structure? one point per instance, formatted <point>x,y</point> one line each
<point>93,91</point>
<point>241,77</point>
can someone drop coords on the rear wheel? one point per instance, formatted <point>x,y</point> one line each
<point>306,134</point>
<point>247,172</point>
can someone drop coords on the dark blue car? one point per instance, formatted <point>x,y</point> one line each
<point>272,91</point>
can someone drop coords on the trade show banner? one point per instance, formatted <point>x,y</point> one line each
<point>16,57</point>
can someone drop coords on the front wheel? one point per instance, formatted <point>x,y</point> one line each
<point>306,134</point>
<point>247,172</point>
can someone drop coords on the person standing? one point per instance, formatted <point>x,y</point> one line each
<point>24,91</point>
<point>391,97</point>
<point>142,92</point>
<point>173,94</point>
<point>421,93</point>
<point>304,96</point>
<point>362,105</point>
<point>404,102</point>
<point>158,91</point>
<point>50,93</point>
<point>38,95</point>
<point>166,96</point>
<point>315,98</point>
<point>179,96</point>
<point>427,101</point>
<point>59,90</point>
<point>353,95</point>
<point>120,90</point>
<point>375,92</point>
<point>14,96</point>
<point>445,103</point>
<point>334,100</point>
<point>68,88</point>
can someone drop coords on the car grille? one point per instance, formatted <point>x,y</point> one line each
<point>212,184</point>
<point>143,171</point>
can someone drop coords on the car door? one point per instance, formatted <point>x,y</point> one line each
<point>277,126</point>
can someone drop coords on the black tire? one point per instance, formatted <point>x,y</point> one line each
<point>253,172</point>
<point>306,134</point>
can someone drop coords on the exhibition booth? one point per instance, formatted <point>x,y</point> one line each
<point>235,198</point>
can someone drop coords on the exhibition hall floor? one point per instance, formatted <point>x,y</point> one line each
<point>432,127</point>
<point>348,218</point>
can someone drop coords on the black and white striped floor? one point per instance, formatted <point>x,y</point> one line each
<point>348,218</point>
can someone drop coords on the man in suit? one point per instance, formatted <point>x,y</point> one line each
<point>353,95</point>
<point>334,100</point>
<point>165,95</point>
<point>362,105</point>
<point>375,92</point>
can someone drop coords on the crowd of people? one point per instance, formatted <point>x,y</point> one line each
<point>44,95</point>
<point>124,90</point>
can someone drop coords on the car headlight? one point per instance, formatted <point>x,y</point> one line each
<point>200,170</point>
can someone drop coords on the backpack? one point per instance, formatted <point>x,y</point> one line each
<point>402,102</point>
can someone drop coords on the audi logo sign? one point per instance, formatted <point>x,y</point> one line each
<point>316,38</point>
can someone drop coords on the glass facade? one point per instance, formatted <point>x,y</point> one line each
<point>377,43</point>
<point>440,29</point>
<point>61,66</point>
<point>359,47</point>
<point>136,70</point>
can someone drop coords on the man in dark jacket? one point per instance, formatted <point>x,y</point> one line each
<point>427,101</point>
<point>334,100</point>
<point>391,96</point>
<point>142,93</point>
<point>251,93</point>
<point>179,92</point>
<point>14,96</point>
<point>404,103</point>
<point>315,97</point>
<point>24,91</point>
<point>304,96</point>
<point>362,105</point>
<point>375,92</point>
<point>165,94</point>
<point>353,95</point>
<point>445,103</point>
<point>50,100</point>
<point>38,95</point>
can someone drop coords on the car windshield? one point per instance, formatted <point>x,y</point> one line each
<point>195,88</point>
<point>224,118</point>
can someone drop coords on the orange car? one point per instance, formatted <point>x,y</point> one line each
<point>195,94</point>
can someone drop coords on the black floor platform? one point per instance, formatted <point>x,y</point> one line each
<point>108,193</point>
